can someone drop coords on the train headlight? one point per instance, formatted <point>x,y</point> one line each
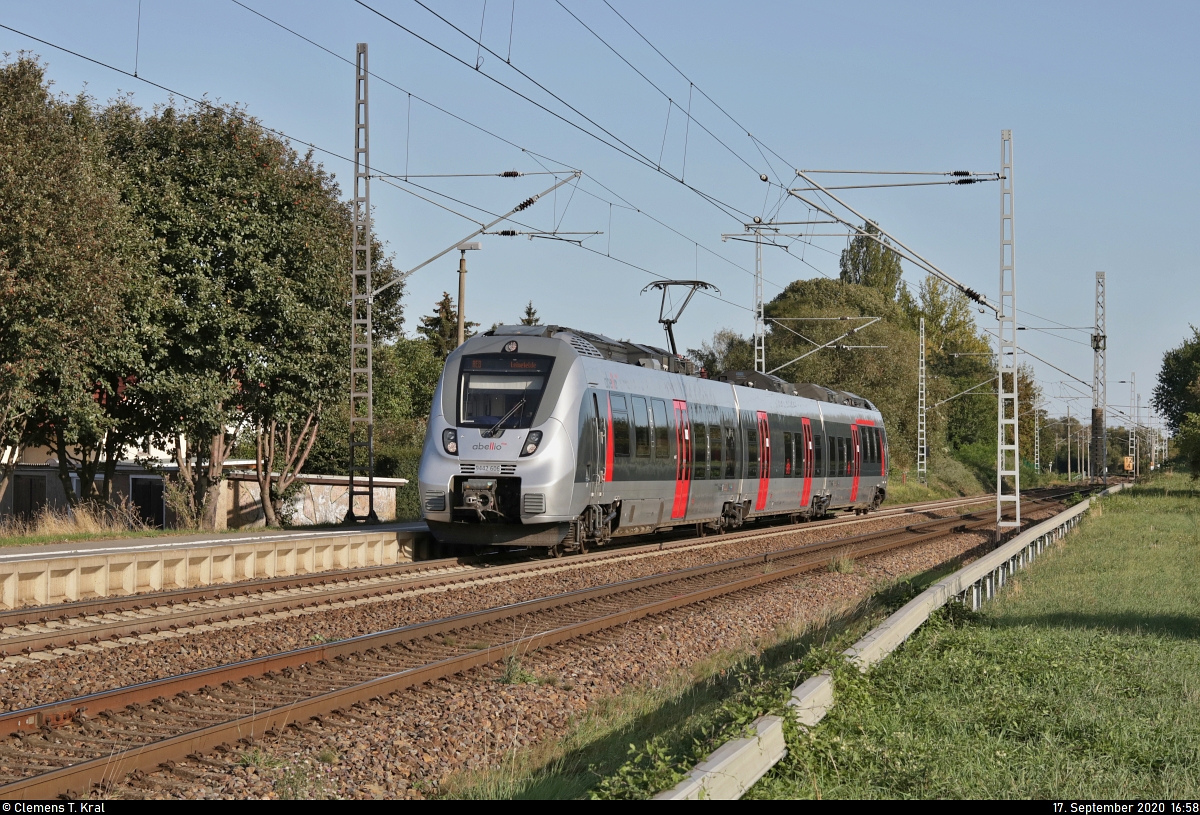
<point>450,441</point>
<point>531,443</point>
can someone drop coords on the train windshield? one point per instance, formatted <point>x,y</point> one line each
<point>501,391</point>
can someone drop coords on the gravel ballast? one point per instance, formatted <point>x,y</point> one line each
<point>407,745</point>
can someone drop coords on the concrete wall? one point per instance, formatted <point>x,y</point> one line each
<point>322,500</point>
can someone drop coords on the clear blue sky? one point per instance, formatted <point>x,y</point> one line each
<point>1102,100</point>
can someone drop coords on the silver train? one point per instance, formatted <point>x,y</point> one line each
<point>544,436</point>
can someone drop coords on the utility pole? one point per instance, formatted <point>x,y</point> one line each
<point>1008,453</point>
<point>922,441</point>
<point>1070,432</point>
<point>362,411</point>
<point>760,326</point>
<point>1099,391</point>
<point>462,288</point>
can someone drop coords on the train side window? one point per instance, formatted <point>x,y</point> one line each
<point>662,447</point>
<point>818,455</point>
<point>730,452</point>
<point>849,448</point>
<point>641,428</point>
<point>714,451</point>
<point>700,446</point>
<point>840,466</point>
<point>787,455</point>
<point>873,434</point>
<point>620,425</point>
<point>751,453</point>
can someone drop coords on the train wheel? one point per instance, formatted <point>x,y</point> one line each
<point>554,551</point>
<point>583,546</point>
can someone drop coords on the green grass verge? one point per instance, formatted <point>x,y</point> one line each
<point>1081,681</point>
<point>75,537</point>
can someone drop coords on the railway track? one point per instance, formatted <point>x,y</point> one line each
<point>76,744</point>
<point>91,623</point>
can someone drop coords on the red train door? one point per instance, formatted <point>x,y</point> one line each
<point>855,461</point>
<point>764,461</point>
<point>683,460</point>
<point>806,456</point>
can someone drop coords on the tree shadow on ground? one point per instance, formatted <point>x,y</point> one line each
<point>1178,626</point>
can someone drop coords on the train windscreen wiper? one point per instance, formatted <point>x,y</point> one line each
<point>492,430</point>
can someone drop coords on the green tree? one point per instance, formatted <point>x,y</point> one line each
<point>867,262</point>
<point>1187,442</point>
<point>1177,397</point>
<point>251,248</point>
<point>1177,392</point>
<point>959,355</point>
<point>440,329</point>
<point>72,271</point>
<point>531,315</point>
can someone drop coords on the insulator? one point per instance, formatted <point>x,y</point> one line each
<point>974,295</point>
<point>967,181</point>
<point>526,204</point>
<point>510,174</point>
<point>508,233</point>
<point>762,177</point>
<point>961,172</point>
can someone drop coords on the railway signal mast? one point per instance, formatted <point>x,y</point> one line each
<point>1008,453</point>
<point>1099,392</point>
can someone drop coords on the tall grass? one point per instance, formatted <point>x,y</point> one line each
<point>88,520</point>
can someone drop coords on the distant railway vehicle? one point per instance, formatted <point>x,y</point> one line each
<point>544,436</point>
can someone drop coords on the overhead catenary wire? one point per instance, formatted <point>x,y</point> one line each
<point>665,95</point>
<point>535,155</point>
<point>613,141</point>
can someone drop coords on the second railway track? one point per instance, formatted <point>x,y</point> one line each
<point>76,744</point>
<point>92,623</point>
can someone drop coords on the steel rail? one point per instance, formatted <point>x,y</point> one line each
<point>26,615</point>
<point>149,755</point>
<point>446,572</point>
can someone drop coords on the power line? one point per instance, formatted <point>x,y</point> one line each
<point>617,143</point>
<point>382,176</point>
<point>651,83</point>
<point>533,154</point>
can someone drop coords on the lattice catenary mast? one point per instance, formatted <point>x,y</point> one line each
<point>922,441</point>
<point>1008,453</point>
<point>760,325</point>
<point>1133,422</point>
<point>362,411</point>
<point>1099,392</point>
<point>1037,437</point>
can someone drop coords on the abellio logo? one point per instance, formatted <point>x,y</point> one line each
<point>491,445</point>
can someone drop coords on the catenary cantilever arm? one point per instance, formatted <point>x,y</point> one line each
<point>526,204</point>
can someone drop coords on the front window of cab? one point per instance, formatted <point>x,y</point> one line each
<point>501,392</point>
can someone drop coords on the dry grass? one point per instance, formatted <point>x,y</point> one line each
<point>84,522</point>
